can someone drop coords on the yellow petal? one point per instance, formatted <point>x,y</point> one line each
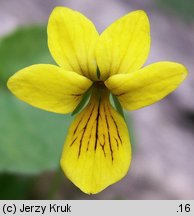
<point>72,39</point>
<point>97,151</point>
<point>49,87</point>
<point>124,46</point>
<point>148,85</point>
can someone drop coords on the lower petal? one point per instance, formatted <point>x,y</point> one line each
<point>97,152</point>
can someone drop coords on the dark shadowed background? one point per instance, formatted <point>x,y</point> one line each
<point>31,140</point>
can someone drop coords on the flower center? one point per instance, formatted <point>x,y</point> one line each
<point>100,85</point>
<point>99,92</point>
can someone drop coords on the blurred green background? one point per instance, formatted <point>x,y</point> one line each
<point>31,140</point>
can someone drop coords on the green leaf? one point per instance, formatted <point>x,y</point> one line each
<point>14,187</point>
<point>25,47</point>
<point>184,9</point>
<point>31,140</point>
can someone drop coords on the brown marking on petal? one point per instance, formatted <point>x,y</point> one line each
<point>89,139</point>
<point>77,126</point>
<point>121,94</point>
<point>84,130</point>
<point>73,141</point>
<point>81,121</point>
<point>77,95</point>
<point>109,139</point>
<point>97,120</point>
<point>117,129</point>
<point>117,142</point>
<point>103,145</point>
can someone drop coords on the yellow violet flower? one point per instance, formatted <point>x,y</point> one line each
<point>97,151</point>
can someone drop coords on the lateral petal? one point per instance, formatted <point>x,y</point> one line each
<point>124,46</point>
<point>148,85</point>
<point>97,151</point>
<point>72,39</point>
<point>49,87</point>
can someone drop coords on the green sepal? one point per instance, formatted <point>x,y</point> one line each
<point>83,102</point>
<point>118,105</point>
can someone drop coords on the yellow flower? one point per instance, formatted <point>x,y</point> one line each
<point>97,151</point>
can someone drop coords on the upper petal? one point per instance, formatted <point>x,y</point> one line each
<point>49,87</point>
<point>72,39</point>
<point>97,151</point>
<point>148,85</point>
<point>124,46</point>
